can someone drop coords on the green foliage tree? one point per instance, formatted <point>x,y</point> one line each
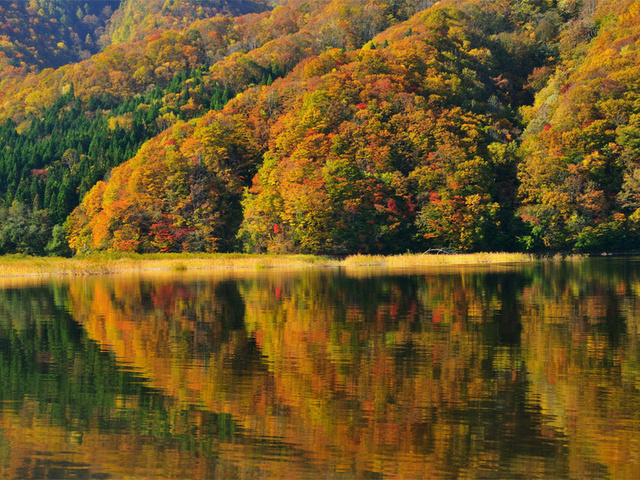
<point>23,230</point>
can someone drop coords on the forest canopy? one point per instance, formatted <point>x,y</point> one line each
<point>331,127</point>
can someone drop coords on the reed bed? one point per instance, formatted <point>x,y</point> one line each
<point>16,265</point>
<point>104,264</point>
<point>427,259</point>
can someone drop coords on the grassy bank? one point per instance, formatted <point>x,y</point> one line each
<point>103,264</point>
<point>113,263</point>
<point>418,259</point>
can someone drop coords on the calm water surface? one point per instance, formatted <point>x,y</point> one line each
<point>501,372</point>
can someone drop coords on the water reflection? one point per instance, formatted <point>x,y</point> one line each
<point>513,372</point>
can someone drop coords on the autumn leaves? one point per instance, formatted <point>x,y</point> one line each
<point>366,152</point>
<point>421,138</point>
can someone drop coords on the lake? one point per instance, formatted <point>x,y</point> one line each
<point>523,371</point>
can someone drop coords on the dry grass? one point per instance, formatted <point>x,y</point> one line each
<point>13,266</point>
<point>420,259</point>
<point>103,264</point>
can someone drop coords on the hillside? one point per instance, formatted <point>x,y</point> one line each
<point>50,33</point>
<point>135,20</point>
<point>331,127</point>
<point>579,173</point>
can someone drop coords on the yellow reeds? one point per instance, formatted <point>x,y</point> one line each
<point>102,264</point>
<point>415,259</point>
<point>16,265</point>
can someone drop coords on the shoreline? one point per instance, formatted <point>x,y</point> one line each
<point>24,266</point>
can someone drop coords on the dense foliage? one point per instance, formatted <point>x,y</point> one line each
<point>335,127</point>
<point>580,153</point>
<point>36,34</point>
<point>135,19</point>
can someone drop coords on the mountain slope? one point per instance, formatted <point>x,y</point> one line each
<point>135,20</point>
<point>580,153</point>
<point>404,143</point>
<point>335,126</point>
<point>50,33</point>
<point>142,87</point>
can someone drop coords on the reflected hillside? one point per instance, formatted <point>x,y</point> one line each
<point>68,408</point>
<point>403,364</point>
<point>520,372</point>
<point>382,374</point>
<point>179,335</point>
<point>583,325</point>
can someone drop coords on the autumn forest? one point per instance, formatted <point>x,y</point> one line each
<point>319,126</point>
